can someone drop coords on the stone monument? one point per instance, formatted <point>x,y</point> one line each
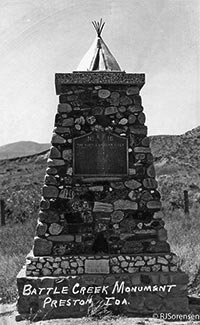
<point>97,237</point>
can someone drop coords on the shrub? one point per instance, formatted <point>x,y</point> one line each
<point>21,204</point>
<point>183,236</point>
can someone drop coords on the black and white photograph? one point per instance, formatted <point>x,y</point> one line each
<point>100,162</point>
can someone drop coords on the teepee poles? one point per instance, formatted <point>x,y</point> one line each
<point>98,26</point>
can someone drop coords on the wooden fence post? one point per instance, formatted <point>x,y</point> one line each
<point>186,202</point>
<point>2,212</point>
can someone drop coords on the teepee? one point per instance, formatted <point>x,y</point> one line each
<point>98,57</point>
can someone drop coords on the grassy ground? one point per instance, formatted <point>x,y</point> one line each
<point>183,236</point>
<point>8,318</point>
<point>16,242</point>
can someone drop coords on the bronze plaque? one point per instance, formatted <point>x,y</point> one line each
<point>100,154</point>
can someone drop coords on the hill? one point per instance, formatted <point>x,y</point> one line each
<point>21,149</point>
<point>176,160</point>
<point>177,163</point>
<point>185,147</point>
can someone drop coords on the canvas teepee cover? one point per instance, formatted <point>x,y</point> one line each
<point>98,57</point>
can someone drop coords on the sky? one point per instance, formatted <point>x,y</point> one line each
<point>39,38</point>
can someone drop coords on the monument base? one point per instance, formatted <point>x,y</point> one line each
<point>136,294</point>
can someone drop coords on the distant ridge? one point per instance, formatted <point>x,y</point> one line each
<point>184,147</point>
<point>22,149</point>
<point>176,160</point>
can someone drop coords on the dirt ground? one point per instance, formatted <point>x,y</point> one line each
<point>8,313</point>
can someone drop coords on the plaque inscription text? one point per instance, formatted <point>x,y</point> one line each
<point>100,154</point>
